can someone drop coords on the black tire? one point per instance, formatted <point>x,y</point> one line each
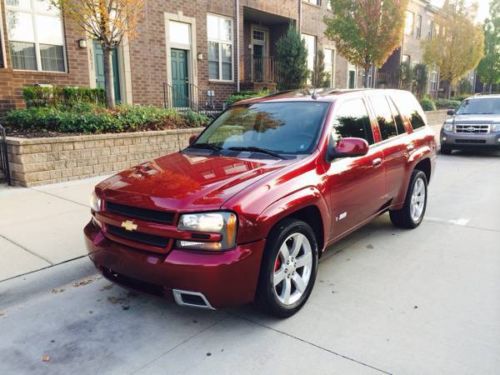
<point>445,150</point>
<point>403,218</point>
<point>266,296</point>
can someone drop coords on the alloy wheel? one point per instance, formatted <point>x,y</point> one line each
<point>292,269</point>
<point>417,204</point>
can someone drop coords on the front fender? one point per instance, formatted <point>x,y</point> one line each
<point>289,204</point>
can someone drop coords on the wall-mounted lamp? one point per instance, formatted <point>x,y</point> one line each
<point>200,56</point>
<point>82,43</point>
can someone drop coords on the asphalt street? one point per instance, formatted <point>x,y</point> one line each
<point>422,301</point>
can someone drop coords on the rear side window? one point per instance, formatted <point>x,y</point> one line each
<point>352,120</point>
<point>386,122</point>
<point>408,106</point>
<point>399,120</point>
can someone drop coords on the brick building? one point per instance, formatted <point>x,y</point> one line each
<point>185,52</point>
<point>419,25</point>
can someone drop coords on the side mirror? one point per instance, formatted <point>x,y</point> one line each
<point>192,139</point>
<point>450,112</point>
<point>348,147</point>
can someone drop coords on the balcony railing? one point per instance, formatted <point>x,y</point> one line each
<point>259,68</point>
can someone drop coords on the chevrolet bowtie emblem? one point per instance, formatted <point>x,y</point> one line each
<point>129,225</point>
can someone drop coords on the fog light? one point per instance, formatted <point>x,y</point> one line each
<point>195,245</point>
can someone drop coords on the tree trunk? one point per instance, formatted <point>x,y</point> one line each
<point>449,90</point>
<point>108,77</point>
<point>367,71</point>
<point>491,88</point>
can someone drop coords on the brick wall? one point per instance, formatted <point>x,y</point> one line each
<point>13,81</point>
<point>40,161</point>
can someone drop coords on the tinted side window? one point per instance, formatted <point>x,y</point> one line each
<point>383,113</point>
<point>399,120</point>
<point>409,107</point>
<point>352,120</point>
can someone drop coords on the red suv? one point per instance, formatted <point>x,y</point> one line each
<point>245,211</point>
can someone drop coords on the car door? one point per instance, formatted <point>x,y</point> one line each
<point>392,144</point>
<point>356,185</point>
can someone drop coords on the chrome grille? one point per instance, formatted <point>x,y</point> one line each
<point>472,128</point>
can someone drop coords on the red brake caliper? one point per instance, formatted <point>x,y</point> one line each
<point>277,264</point>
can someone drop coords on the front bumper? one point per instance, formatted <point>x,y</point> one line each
<point>225,278</point>
<point>464,140</point>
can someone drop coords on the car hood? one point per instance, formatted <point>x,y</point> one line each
<point>476,119</point>
<point>185,181</point>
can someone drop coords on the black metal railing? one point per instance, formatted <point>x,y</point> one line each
<point>259,68</point>
<point>185,97</point>
<point>4,156</point>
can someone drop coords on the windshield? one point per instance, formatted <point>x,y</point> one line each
<point>289,128</point>
<point>481,106</point>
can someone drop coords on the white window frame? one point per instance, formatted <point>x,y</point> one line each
<point>407,14</point>
<point>418,26</point>
<point>220,42</point>
<point>304,38</point>
<point>334,64</point>
<point>33,13</point>
<point>352,68</point>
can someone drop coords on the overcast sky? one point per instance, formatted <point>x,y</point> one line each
<point>484,6</point>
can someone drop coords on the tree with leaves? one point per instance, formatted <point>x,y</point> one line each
<point>489,67</point>
<point>291,58</point>
<point>108,22</point>
<point>366,32</point>
<point>320,78</point>
<point>458,46</point>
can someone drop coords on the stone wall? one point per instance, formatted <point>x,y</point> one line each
<point>40,161</point>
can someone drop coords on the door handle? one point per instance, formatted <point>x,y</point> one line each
<point>410,147</point>
<point>377,162</point>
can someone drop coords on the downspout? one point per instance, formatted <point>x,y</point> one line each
<point>237,5</point>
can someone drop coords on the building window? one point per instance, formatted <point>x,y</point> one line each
<point>36,38</point>
<point>329,4</point>
<point>419,27</point>
<point>180,33</point>
<point>330,65</point>
<point>434,81</point>
<point>220,48</point>
<point>430,34</point>
<point>311,50</point>
<point>406,59</point>
<point>409,23</point>
<point>314,2</point>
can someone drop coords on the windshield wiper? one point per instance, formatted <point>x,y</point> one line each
<point>207,146</point>
<point>257,149</point>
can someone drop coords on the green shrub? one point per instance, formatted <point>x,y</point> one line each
<point>196,119</point>
<point>242,95</point>
<point>90,119</point>
<point>447,104</point>
<point>54,96</point>
<point>461,98</point>
<point>428,104</point>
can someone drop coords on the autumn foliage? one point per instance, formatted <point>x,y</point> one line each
<point>366,32</point>
<point>106,21</point>
<point>458,45</point>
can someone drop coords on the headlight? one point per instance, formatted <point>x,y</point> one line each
<point>495,128</point>
<point>95,202</point>
<point>224,223</point>
<point>448,127</point>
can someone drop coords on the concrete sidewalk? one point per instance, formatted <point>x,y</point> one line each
<point>42,226</point>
